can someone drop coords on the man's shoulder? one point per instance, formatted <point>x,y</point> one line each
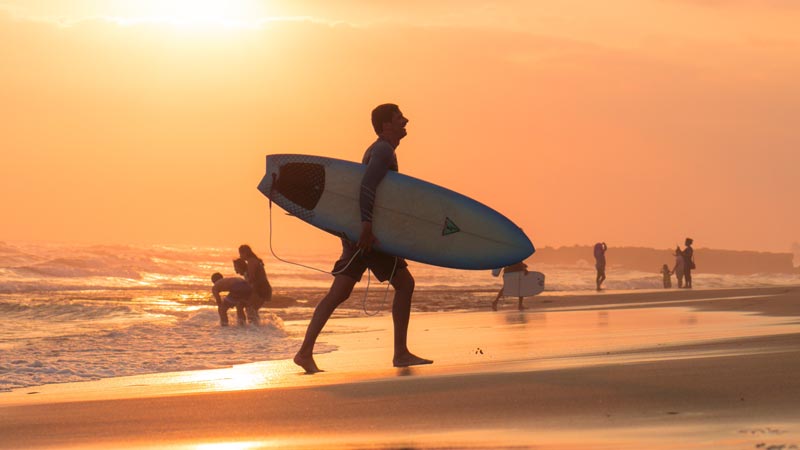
<point>380,145</point>
<point>379,150</point>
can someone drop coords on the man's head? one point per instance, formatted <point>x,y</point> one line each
<point>388,122</point>
<point>216,277</point>
<point>689,241</point>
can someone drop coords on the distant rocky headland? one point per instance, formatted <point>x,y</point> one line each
<point>650,259</point>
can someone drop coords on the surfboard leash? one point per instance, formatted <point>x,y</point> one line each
<point>299,264</point>
<point>369,272</point>
<point>385,294</point>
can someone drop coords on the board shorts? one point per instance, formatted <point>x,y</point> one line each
<point>239,294</point>
<point>381,264</point>
<point>232,300</point>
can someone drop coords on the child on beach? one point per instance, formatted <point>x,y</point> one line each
<point>667,276</point>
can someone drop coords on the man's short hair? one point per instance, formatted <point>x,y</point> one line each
<point>216,277</point>
<point>382,114</point>
<point>689,241</point>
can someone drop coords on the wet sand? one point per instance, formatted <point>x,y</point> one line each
<point>702,369</point>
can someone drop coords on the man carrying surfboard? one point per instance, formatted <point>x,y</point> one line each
<point>390,126</point>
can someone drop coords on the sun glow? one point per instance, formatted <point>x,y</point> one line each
<point>192,13</point>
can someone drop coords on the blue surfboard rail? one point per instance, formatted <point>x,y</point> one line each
<point>475,237</point>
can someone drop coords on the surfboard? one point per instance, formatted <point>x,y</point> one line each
<point>521,284</point>
<point>412,218</point>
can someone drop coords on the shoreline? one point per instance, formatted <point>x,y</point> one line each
<point>719,362</point>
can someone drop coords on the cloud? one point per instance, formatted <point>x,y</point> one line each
<point>754,4</point>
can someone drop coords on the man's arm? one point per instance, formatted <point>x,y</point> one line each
<point>215,292</point>
<point>377,168</point>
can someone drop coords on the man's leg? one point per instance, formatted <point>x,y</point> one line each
<point>497,299</point>
<point>339,292</point>
<point>222,309</point>
<point>520,304</point>
<point>403,284</point>
<point>251,309</point>
<point>241,320</point>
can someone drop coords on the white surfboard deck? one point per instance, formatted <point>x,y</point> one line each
<point>521,284</point>
<point>412,218</point>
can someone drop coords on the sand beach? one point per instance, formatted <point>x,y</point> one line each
<point>700,369</point>
<point>150,144</point>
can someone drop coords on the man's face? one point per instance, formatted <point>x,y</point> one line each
<point>397,127</point>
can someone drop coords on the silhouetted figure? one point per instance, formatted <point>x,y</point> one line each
<point>256,275</point>
<point>688,262</point>
<point>678,268</point>
<point>239,293</point>
<point>667,276</point>
<point>518,267</point>
<point>600,262</point>
<point>390,126</point>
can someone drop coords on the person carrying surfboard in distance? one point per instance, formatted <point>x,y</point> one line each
<point>518,267</point>
<point>390,126</point>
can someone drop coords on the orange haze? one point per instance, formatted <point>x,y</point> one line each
<point>637,123</point>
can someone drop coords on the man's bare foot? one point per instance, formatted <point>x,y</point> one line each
<point>494,306</point>
<point>307,363</point>
<point>521,308</point>
<point>409,359</point>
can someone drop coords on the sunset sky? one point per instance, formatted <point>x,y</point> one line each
<point>634,122</point>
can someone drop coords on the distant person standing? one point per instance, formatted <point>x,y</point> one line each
<point>688,262</point>
<point>600,262</point>
<point>667,276</point>
<point>678,268</point>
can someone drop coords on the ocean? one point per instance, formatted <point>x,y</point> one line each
<point>84,312</point>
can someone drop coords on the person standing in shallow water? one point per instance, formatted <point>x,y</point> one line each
<point>688,262</point>
<point>256,275</point>
<point>390,126</point>
<point>600,263</point>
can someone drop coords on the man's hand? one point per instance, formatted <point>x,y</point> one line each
<point>367,239</point>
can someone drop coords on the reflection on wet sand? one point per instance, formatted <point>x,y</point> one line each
<point>597,376</point>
